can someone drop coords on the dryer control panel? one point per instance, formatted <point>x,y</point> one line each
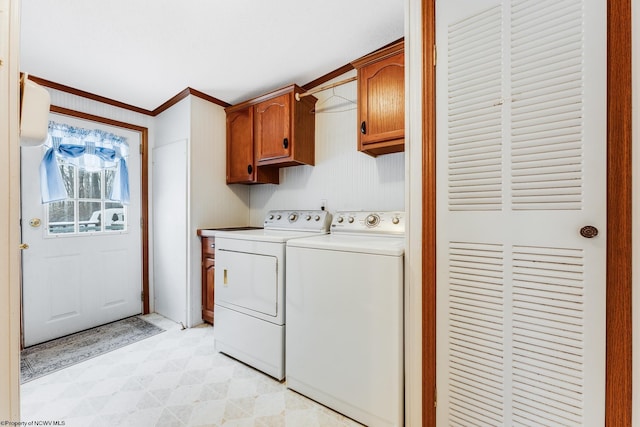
<point>378,222</point>
<point>314,220</point>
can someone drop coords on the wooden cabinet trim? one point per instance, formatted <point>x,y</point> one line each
<point>379,55</point>
<point>293,88</point>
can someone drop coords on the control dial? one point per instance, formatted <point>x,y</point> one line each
<point>340,220</point>
<point>351,219</point>
<point>293,217</point>
<point>317,218</point>
<point>395,220</point>
<point>308,217</point>
<point>372,220</point>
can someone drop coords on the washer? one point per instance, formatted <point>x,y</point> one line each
<point>250,287</point>
<point>344,302</point>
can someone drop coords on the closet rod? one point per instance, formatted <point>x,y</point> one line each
<point>320,89</point>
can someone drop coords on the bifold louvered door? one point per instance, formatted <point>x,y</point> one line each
<point>521,144</point>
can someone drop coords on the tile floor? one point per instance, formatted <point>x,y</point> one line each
<point>171,379</point>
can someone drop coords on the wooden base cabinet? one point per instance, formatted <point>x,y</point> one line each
<point>208,274</point>
<point>381,100</point>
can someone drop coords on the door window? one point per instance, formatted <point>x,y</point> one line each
<point>87,208</point>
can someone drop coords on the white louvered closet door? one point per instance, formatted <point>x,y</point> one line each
<point>521,145</point>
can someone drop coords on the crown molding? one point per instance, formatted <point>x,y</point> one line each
<point>88,95</point>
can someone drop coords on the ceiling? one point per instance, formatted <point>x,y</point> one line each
<point>143,52</point>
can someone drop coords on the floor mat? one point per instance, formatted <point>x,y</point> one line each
<point>51,356</point>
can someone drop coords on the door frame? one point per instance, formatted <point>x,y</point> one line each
<point>144,187</point>
<point>618,404</point>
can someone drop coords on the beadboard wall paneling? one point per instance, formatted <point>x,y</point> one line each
<point>85,105</point>
<point>344,177</point>
<point>213,203</point>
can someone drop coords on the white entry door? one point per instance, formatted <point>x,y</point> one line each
<point>83,266</point>
<point>521,141</point>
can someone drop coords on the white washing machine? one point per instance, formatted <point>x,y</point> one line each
<point>344,302</point>
<point>250,285</point>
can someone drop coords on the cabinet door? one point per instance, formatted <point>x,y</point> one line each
<point>240,163</point>
<point>208,277</point>
<point>272,126</point>
<point>382,102</point>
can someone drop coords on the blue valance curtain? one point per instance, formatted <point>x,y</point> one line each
<point>91,150</point>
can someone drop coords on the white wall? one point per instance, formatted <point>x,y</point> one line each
<point>210,201</point>
<point>213,203</point>
<point>172,125</point>
<point>346,178</point>
<point>9,213</point>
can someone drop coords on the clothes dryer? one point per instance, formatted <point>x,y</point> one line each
<point>250,287</point>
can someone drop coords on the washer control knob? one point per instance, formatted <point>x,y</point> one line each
<point>278,217</point>
<point>317,218</point>
<point>351,219</point>
<point>270,216</point>
<point>340,220</point>
<point>372,220</point>
<point>308,217</point>
<point>293,217</point>
<point>395,220</point>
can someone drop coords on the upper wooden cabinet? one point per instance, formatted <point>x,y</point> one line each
<point>271,131</point>
<point>381,100</point>
<point>241,165</point>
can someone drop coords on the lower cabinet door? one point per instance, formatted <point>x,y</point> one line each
<point>208,281</point>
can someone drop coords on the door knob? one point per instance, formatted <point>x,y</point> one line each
<point>23,246</point>
<point>588,231</point>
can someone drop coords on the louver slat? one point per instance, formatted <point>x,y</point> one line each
<point>475,112</point>
<point>548,342</point>
<point>476,335</point>
<point>546,50</point>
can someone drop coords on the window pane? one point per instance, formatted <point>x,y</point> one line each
<point>114,216</point>
<point>109,176</point>
<point>61,218</point>
<point>89,216</point>
<point>89,185</point>
<point>67,172</point>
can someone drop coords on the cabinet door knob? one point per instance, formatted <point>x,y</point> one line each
<point>363,128</point>
<point>249,169</point>
<point>285,143</point>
